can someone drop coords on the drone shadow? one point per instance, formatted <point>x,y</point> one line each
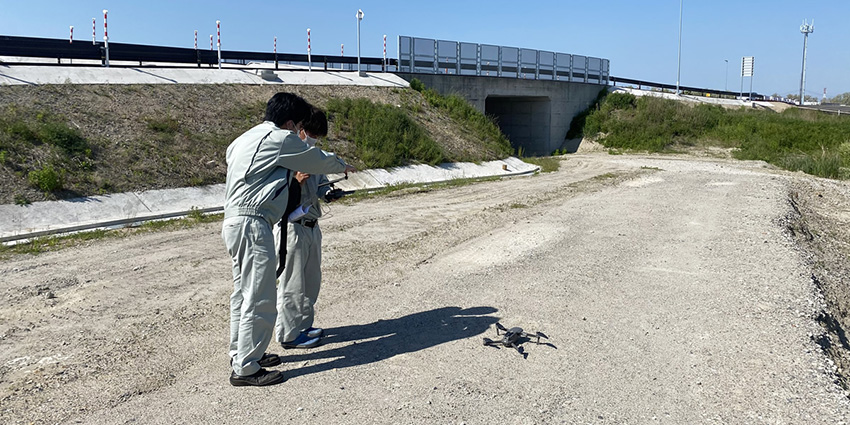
<point>376,341</point>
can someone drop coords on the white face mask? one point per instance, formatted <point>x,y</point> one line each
<point>310,141</point>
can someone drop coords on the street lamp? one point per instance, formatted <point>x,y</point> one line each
<point>726,84</point>
<point>359,18</point>
<point>806,29</point>
<point>679,71</point>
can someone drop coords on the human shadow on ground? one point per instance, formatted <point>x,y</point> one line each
<point>376,341</point>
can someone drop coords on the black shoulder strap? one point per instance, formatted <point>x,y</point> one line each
<point>292,203</point>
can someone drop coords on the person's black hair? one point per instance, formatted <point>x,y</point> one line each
<point>317,123</point>
<point>284,106</point>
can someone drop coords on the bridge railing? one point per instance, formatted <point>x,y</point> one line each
<point>430,56</point>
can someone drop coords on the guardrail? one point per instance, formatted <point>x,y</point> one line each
<point>63,49</point>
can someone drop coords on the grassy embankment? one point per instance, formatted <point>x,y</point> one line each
<point>808,141</point>
<point>45,154</point>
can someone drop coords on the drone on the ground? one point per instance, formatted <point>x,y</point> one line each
<point>514,337</point>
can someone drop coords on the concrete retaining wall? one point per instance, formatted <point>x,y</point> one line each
<point>535,114</point>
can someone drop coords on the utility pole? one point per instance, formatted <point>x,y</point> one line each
<point>679,70</point>
<point>806,29</point>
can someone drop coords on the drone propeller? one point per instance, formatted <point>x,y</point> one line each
<point>499,327</point>
<point>542,335</point>
<point>490,342</point>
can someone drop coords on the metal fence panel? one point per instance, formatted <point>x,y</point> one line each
<point>425,55</point>
<point>528,63</point>
<point>546,65</point>
<point>447,57</point>
<point>509,62</point>
<point>489,60</point>
<point>469,59</point>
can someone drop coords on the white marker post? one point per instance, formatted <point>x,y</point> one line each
<point>218,41</point>
<point>211,42</point>
<point>384,63</point>
<point>105,38</point>
<point>309,58</point>
<point>71,40</point>
<point>93,32</point>
<point>196,39</point>
<point>275,53</point>
<point>341,54</point>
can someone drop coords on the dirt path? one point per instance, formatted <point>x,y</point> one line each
<point>669,288</point>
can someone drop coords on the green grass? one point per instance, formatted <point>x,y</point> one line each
<point>794,140</point>
<point>472,121</point>
<point>42,147</point>
<point>546,164</point>
<point>384,135</point>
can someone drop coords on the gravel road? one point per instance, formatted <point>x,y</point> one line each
<point>668,287</point>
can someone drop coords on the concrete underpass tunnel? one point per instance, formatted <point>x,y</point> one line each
<point>525,120</point>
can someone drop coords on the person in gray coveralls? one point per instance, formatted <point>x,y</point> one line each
<point>298,285</point>
<point>260,165</point>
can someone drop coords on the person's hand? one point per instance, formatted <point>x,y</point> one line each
<point>301,177</point>
<point>350,169</point>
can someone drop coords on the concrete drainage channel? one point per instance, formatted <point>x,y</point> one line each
<point>20,224</point>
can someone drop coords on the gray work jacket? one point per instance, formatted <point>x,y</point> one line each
<point>260,163</point>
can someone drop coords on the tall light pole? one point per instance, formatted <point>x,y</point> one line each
<point>806,29</point>
<point>679,71</point>
<point>726,84</point>
<point>359,18</point>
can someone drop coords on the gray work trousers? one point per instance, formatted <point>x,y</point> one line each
<point>250,243</point>
<point>300,282</point>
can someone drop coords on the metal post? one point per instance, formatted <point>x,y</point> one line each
<point>679,70</point>
<point>555,76</point>
<point>742,78</point>
<point>726,84</point>
<point>359,18</point>
<point>499,73</point>
<point>93,32</point>
<point>478,59</point>
<point>537,66</point>
<point>309,58</point>
<point>806,29</point>
<point>457,58</point>
<point>436,59</point>
<point>384,62</point>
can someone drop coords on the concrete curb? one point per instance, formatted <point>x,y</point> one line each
<point>19,223</point>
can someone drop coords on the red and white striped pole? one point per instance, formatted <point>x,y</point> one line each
<point>93,32</point>
<point>341,54</point>
<point>309,59</point>
<point>275,45</point>
<point>71,40</point>
<point>384,63</point>
<point>211,43</point>
<point>105,38</point>
<point>196,39</point>
<point>218,41</point>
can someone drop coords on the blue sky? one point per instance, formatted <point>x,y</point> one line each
<point>640,38</point>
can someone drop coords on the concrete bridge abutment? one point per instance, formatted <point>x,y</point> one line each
<point>534,114</point>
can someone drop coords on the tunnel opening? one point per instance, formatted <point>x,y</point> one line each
<point>525,120</point>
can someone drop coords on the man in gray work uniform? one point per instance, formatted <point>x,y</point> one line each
<point>260,165</point>
<point>299,284</point>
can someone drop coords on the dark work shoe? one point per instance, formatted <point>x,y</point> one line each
<point>269,360</point>
<point>261,378</point>
<point>303,341</point>
<point>314,332</point>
